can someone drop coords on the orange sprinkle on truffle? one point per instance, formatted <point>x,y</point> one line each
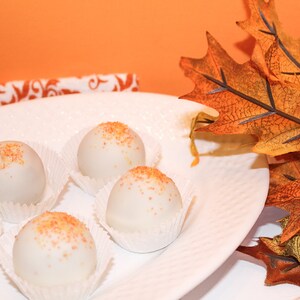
<point>116,131</point>
<point>63,227</point>
<point>11,153</point>
<point>150,178</point>
<point>143,172</point>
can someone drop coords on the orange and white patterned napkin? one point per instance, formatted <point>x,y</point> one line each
<point>16,91</point>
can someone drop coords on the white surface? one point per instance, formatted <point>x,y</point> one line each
<point>232,183</point>
<point>241,277</point>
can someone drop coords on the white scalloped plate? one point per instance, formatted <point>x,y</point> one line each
<point>232,181</point>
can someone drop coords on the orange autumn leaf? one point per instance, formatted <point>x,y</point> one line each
<point>247,101</point>
<point>280,268</point>
<point>281,52</point>
<point>260,97</point>
<point>284,169</point>
<point>293,225</point>
<point>284,192</point>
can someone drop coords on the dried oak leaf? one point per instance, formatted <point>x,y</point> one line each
<point>293,225</point>
<point>280,268</point>
<point>292,247</point>
<point>284,192</point>
<point>284,169</point>
<point>247,101</point>
<point>281,52</point>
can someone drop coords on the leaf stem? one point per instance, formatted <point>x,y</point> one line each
<point>291,73</point>
<point>273,32</point>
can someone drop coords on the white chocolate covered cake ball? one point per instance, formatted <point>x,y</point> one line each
<point>109,150</point>
<point>142,199</point>
<point>54,249</point>
<point>22,175</point>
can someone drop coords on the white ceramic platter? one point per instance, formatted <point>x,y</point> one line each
<point>232,186</point>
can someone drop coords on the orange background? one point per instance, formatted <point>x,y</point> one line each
<point>44,39</point>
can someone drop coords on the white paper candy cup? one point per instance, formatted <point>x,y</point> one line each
<point>150,240</point>
<point>56,176</point>
<point>75,291</point>
<point>92,185</point>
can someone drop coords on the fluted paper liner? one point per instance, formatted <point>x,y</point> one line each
<point>92,185</point>
<point>56,178</point>
<point>150,240</point>
<point>75,291</point>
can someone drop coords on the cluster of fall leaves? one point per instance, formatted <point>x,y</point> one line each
<point>260,97</point>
